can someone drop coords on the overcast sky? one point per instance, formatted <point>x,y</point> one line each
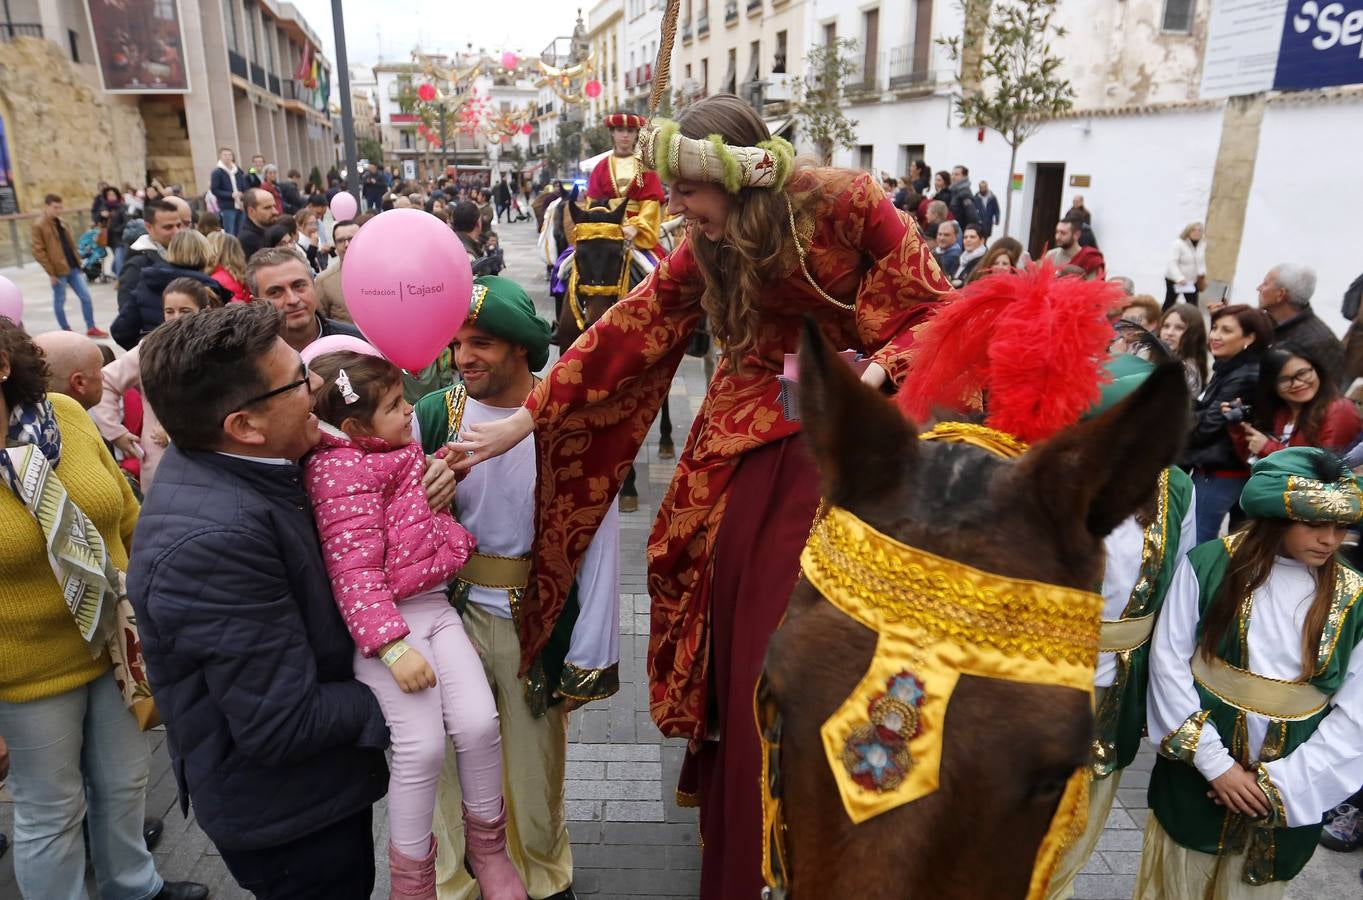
<point>390,30</point>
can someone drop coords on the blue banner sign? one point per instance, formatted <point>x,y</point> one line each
<point>1322,45</point>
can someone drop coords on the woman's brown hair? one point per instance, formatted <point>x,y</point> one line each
<point>369,377</point>
<point>225,251</point>
<point>1251,320</point>
<point>188,250</point>
<point>1248,569</point>
<point>1193,344</point>
<point>749,257</point>
<point>27,381</point>
<point>1004,246</point>
<point>193,289</point>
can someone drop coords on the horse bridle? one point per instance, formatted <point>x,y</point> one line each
<point>597,231</point>
<point>935,619</point>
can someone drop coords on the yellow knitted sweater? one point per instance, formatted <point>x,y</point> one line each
<point>41,652</point>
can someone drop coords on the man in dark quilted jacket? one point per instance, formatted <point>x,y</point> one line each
<point>271,738</point>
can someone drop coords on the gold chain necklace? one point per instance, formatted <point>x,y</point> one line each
<point>800,252</point>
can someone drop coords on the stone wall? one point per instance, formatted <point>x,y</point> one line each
<point>64,135</point>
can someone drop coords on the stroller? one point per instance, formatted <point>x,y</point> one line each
<point>92,256</point>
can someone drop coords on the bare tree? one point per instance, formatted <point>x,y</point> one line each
<point>818,96</point>
<point>1009,79</point>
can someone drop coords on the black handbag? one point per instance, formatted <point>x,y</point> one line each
<point>699,345</point>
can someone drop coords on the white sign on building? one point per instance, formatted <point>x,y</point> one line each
<point>1243,37</point>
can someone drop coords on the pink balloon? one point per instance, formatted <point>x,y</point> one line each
<point>407,285</point>
<point>11,301</point>
<point>338,343</point>
<point>343,206</point>
<point>509,60</point>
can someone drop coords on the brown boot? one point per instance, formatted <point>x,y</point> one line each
<point>411,879</point>
<point>485,857</point>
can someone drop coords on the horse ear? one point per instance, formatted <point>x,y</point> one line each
<point>620,212</point>
<point>572,212</point>
<point>1092,476</point>
<point>861,442</point>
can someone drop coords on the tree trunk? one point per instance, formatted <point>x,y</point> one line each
<point>826,152</point>
<point>1008,191</point>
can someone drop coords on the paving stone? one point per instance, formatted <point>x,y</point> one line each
<point>620,856</point>
<point>634,771</point>
<point>1125,839</point>
<point>634,810</point>
<point>583,810</point>
<point>580,769</point>
<point>1103,887</point>
<point>613,790</point>
<point>1125,862</point>
<point>615,752</point>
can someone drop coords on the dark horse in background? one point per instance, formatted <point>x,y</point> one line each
<point>1008,747</point>
<point>602,270</point>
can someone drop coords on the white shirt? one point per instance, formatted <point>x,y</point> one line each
<point>496,503</point>
<point>1125,548</point>
<point>1320,773</point>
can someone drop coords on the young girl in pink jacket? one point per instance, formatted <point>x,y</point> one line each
<point>390,557</point>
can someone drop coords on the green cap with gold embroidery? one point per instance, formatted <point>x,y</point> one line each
<point>501,307</point>
<point>1304,484</point>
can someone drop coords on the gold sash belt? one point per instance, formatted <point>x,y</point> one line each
<point>1286,700</point>
<point>496,572</point>
<point>1125,634</point>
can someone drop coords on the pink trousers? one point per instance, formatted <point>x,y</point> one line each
<point>460,706</point>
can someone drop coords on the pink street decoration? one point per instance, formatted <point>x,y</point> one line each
<point>338,343</point>
<point>407,285</point>
<point>592,89</point>
<point>426,92</point>
<point>11,301</point>
<point>527,128</point>
<point>509,60</point>
<point>343,206</point>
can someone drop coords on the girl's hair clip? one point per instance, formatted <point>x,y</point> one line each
<point>347,392</point>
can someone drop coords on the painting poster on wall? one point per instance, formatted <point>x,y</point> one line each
<point>140,46</point>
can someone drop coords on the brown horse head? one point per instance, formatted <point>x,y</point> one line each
<point>1008,748</point>
<point>601,258</point>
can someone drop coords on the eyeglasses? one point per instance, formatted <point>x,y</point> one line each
<point>305,377</point>
<point>1299,378</point>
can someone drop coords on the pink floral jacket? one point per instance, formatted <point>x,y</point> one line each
<point>382,544</point>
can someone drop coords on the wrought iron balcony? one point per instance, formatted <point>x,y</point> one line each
<point>11,30</point>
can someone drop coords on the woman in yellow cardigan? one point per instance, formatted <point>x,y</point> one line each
<point>66,517</point>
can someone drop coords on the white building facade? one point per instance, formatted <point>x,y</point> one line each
<point>1139,146</point>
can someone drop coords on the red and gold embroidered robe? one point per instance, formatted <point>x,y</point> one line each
<point>594,409</point>
<point>614,177</point>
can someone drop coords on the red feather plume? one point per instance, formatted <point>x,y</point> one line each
<point>1031,343</point>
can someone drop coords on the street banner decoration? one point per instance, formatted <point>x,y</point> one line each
<point>139,45</point>
<point>1282,45</point>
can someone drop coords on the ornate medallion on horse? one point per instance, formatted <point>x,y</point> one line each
<point>601,267</point>
<point>925,706</point>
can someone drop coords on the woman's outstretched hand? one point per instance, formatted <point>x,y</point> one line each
<point>490,439</point>
<point>874,375</point>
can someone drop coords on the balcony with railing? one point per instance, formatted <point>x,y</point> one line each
<point>867,77</point>
<point>258,76</point>
<point>686,34</point>
<point>11,30</point>
<point>274,86</point>
<point>731,12</point>
<point>754,7</point>
<point>906,74</point>
<point>236,64</point>
<point>703,25</point>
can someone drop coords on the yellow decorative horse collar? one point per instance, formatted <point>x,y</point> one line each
<point>935,620</point>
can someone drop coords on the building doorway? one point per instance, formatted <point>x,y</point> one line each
<point>1048,188</point>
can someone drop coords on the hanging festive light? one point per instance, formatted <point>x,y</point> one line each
<point>592,89</point>
<point>509,60</point>
<point>527,128</point>
<point>426,92</point>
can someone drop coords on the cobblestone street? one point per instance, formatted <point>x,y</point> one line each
<point>630,840</point>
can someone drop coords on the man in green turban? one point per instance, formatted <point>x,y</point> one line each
<point>497,351</point>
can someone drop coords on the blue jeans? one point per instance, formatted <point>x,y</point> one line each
<point>77,282</point>
<point>120,256</point>
<point>231,220</point>
<point>75,756</point>
<point>1214,498</point>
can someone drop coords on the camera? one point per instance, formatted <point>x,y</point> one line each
<point>1238,412</point>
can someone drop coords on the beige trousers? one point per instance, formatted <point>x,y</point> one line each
<point>1101,795</point>
<point>533,763</point>
<point>1170,871</point>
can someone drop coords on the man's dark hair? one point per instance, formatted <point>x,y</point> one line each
<point>465,216</point>
<point>294,173</point>
<point>52,198</point>
<point>199,369</point>
<point>152,207</point>
<point>965,171</point>
<point>253,196</point>
<point>317,200</point>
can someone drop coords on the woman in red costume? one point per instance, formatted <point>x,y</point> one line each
<point>767,244</point>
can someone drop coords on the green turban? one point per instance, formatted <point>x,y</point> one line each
<point>1304,484</point>
<point>1127,372</point>
<point>500,306</point>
